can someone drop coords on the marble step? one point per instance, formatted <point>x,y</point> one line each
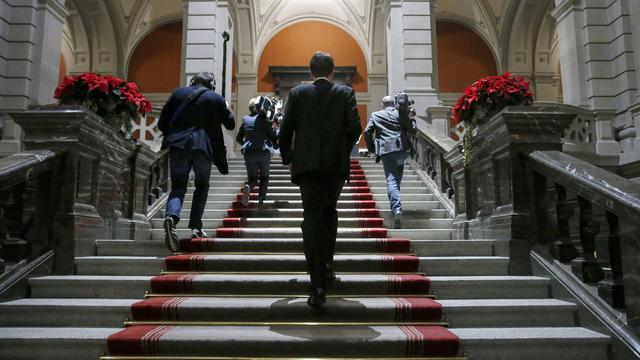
<point>385,213</point>
<point>295,221</point>
<point>409,205</point>
<point>446,287</point>
<point>363,263</point>
<point>296,190</point>
<point>296,232</point>
<point>272,195</point>
<point>458,313</point>
<point>421,247</point>
<point>232,177</point>
<point>549,343</point>
<point>230,190</point>
<point>382,183</point>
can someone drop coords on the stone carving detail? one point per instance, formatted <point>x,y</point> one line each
<point>581,130</point>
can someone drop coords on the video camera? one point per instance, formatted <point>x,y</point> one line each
<point>406,115</point>
<point>403,103</point>
<point>269,108</point>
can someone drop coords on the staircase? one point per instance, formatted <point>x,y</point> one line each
<point>413,292</point>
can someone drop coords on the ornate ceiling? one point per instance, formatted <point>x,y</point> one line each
<point>101,34</point>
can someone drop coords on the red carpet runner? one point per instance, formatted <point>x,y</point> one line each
<point>250,259</point>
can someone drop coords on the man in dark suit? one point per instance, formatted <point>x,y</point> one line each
<point>324,118</point>
<point>190,122</point>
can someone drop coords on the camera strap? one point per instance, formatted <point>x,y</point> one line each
<point>185,104</point>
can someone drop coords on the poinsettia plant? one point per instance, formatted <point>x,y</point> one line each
<point>483,99</point>
<point>489,95</point>
<point>116,100</point>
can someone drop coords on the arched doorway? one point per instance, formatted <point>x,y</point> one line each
<point>463,57</point>
<point>294,45</point>
<point>156,70</point>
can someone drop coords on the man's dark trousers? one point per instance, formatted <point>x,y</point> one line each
<point>320,195</point>
<point>181,163</point>
<point>255,160</point>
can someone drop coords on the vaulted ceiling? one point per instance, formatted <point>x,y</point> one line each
<point>101,34</point>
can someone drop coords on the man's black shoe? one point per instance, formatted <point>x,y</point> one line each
<point>317,297</point>
<point>171,235</point>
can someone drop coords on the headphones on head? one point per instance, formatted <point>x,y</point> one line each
<point>205,79</point>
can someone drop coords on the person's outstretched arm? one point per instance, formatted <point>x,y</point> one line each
<point>287,129</point>
<point>240,136</point>
<point>354,128</point>
<point>167,112</point>
<point>368,135</point>
<point>226,116</point>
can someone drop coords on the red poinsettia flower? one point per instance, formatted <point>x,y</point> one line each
<point>492,93</point>
<point>102,92</point>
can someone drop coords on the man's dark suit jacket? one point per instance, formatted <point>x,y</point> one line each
<point>324,119</point>
<point>202,118</point>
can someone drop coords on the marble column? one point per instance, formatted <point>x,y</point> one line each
<point>632,145</point>
<point>205,21</point>
<point>410,52</point>
<point>598,71</point>
<point>31,35</point>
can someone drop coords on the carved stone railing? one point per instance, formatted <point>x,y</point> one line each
<point>158,184</point>
<point>521,190</point>
<point>429,159</point>
<point>28,183</point>
<point>589,218</point>
<point>101,185</point>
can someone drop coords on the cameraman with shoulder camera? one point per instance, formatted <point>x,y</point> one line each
<point>190,122</point>
<point>256,136</point>
<point>392,127</point>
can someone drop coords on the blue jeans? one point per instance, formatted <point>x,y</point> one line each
<point>181,161</point>
<point>254,160</point>
<point>393,164</point>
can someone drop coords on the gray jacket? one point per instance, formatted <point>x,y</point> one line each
<point>390,134</point>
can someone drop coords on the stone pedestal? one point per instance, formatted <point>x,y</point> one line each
<point>438,119</point>
<point>497,202</point>
<point>103,192</point>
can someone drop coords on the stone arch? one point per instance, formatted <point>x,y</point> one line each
<point>479,18</point>
<point>90,40</point>
<point>520,35</point>
<point>463,57</point>
<point>75,42</point>
<point>546,77</point>
<point>340,43</point>
<point>137,38</point>
<point>364,48</point>
<point>145,18</point>
<point>281,14</point>
<point>147,61</point>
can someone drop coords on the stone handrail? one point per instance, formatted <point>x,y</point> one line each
<point>589,218</point>
<point>429,159</point>
<point>27,182</point>
<point>158,184</point>
<point>521,190</point>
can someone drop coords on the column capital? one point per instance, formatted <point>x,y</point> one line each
<point>564,8</point>
<point>55,7</point>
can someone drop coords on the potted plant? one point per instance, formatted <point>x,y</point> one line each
<point>116,100</point>
<point>485,98</point>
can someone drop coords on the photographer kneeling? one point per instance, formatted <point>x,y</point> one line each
<point>256,136</point>
<point>392,126</point>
